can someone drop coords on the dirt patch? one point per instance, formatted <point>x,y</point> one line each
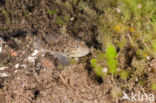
<point>29,76</point>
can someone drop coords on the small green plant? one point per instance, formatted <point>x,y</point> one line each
<point>124,74</point>
<point>5,13</point>
<point>59,21</point>
<point>154,45</point>
<point>153,86</point>
<point>97,68</point>
<point>75,1</point>
<point>111,55</point>
<point>52,12</point>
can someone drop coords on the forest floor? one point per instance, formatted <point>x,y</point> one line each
<point>29,76</point>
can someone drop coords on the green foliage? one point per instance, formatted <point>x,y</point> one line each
<point>98,71</point>
<point>116,93</point>
<point>124,74</point>
<point>111,55</point>
<point>153,17</point>
<point>93,63</point>
<point>141,53</point>
<point>52,12</point>
<point>59,21</point>
<point>72,61</point>
<point>97,68</point>
<point>154,45</point>
<point>5,13</point>
<point>75,1</point>
<point>101,57</point>
<point>137,8</point>
<point>153,86</point>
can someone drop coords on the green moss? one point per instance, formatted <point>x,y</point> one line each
<point>6,60</point>
<point>93,63</point>
<point>26,14</point>
<point>153,86</point>
<point>5,13</point>
<point>66,18</point>
<point>141,82</point>
<point>52,12</point>
<point>153,17</point>
<point>97,68</point>
<point>111,58</point>
<point>75,1</point>
<point>72,61</point>
<point>59,21</point>
<point>140,53</point>
<point>124,74</point>
<point>116,93</point>
<point>98,71</point>
<point>154,45</point>
<point>101,57</point>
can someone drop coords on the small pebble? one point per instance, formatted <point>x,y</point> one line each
<point>35,53</point>
<point>3,68</point>
<point>118,10</point>
<point>4,75</point>
<point>105,70</point>
<point>1,44</point>
<point>1,48</point>
<point>24,65</point>
<point>148,58</point>
<point>15,71</point>
<point>31,59</point>
<point>17,65</point>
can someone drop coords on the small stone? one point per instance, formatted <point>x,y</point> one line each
<point>148,58</point>
<point>35,53</point>
<point>1,48</point>
<point>3,68</point>
<point>1,44</point>
<point>24,65</point>
<point>15,71</point>
<point>4,75</point>
<point>17,65</point>
<point>105,70</point>
<point>31,59</point>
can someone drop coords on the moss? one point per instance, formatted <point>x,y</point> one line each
<point>98,71</point>
<point>101,57</point>
<point>154,45</point>
<point>97,68</point>
<point>141,54</point>
<point>111,58</point>
<point>116,93</point>
<point>59,21</point>
<point>153,86</point>
<point>6,14</point>
<point>72,61</point>
<point>124,74</point>
<point>52,12</point>
<point>6,60</point>
<point>75,1</point>
<point>93,63</point>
